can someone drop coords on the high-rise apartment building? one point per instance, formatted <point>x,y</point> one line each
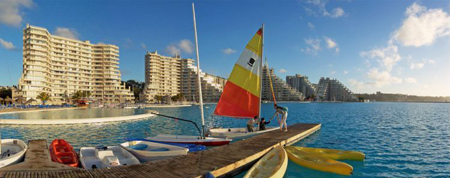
<point>62,66</point>
<point>162,75</point>
<point>283,92</point>
<point>169,76</point>
<point>302,84</point>
<point>333,90</point>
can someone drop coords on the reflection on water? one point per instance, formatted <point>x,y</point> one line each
<point>82,113</point>
<point>399,139</point>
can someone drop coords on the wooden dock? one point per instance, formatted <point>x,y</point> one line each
<point>223,161</point>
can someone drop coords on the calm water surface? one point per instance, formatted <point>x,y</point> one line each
<point>399,139</point>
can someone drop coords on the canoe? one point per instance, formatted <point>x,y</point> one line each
<point>12,151</point>
<point>62,152</point>
<point>150,151</point>
<point>318,163</point>
<point>273,164</point>
<point>191,147</point>
<point>237,132</point>
<point>208,141</point>
<point>334,154</point>
<point>111,156</point>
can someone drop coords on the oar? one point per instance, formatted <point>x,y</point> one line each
<point>176,118</point>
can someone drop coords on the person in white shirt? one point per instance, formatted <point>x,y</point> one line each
<point>251,123</point>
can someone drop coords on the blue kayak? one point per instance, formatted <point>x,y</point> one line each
<point>191,147</point>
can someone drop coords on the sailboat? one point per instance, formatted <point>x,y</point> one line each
<point>199,140</point>
<point>241,97</point>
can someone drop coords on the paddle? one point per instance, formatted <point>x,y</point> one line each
<point>175,118</point>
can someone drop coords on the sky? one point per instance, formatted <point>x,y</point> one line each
<point>388,46</point>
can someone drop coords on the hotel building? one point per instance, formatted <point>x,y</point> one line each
<point>169,76</point>
<point>333,90</point>
<point>62,66</point>
<point>302,84</point>
<point>283,92</point>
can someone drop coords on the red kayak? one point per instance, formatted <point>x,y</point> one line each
<point>62,152</point>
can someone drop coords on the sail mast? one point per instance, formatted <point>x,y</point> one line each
<point>260,70</point>
<point>198,73</point>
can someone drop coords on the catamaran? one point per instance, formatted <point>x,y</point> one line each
<point>241,97</point>
<point>199,140</point>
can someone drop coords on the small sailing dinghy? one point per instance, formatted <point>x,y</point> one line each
<point>241,97</point>
<point>62,152</point>
<point>237,132</point>
<point>190,147</point>
<point>111,156</point>
<point>12,151</point>
<point>186,139</point>
<point>150,151</point>
<point>273,164</point>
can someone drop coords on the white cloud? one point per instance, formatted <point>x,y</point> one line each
<point>418,65</point>
<point>382,78</point>
<point>410,80</point>
<point>332,72</point>
<point>318,8</point>
<point>422,26</point>
<point>143,46</point>
<point>314,46</point>
<point>330,42</point>
<point>185,46</point>
<point>337,50</point>
<point>282,71</point>
<point>345,72</point>
<point>311,26</point>
<point>356,84</point>
<point>386,57</point>
<point>337,12</point>
<point>228,51</point>
<point>431,61</point>
<point>66,32</point>
<point>7,45</point>
<point>173,50</point>
<point>10,11</point>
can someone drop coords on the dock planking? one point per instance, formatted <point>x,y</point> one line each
<point>222,161</point>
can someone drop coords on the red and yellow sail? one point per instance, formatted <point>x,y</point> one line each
<point>241,95</point>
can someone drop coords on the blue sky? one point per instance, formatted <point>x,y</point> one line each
<point>388,46</point>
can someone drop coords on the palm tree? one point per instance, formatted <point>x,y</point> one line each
<point>44,97</point>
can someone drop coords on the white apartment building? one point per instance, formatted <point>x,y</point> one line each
<point>169,76</point>
<point>61,66</point>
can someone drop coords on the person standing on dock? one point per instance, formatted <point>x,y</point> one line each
<point>283,113</point>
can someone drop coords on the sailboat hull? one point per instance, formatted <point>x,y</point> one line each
<point>237,132</point>
<point>208,141</point>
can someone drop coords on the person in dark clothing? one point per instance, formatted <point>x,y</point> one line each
<point>262,124</point>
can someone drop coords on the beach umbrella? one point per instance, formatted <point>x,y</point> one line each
<point>8,99</point>
<point>31,100</point>
<point>19,99</point>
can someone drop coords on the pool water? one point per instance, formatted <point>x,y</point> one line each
<point>72,113</point>
<point>399,139</point>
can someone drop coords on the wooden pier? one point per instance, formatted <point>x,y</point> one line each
<point>223,161</point>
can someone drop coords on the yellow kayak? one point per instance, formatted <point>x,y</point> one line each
<point>334,154</point>
<point>317,163</point>
<point>273,164</point>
